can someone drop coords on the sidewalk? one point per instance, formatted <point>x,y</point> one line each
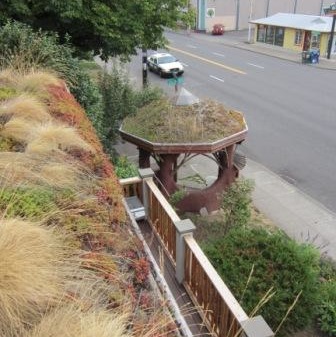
<point>238,39</point>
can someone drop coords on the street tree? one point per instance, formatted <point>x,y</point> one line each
<point>104,27</point>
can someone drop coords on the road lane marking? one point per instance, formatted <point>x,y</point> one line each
<point>235,70</point>
<point>216,78</point>
<point>218,54</point>
<point>191,46</point>
<point>184,64</point>
<point>256,65</point>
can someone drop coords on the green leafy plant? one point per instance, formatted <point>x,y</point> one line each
<point>33,202</point>
<point>124,168</point>
<point>327,306</point>
<point>177,196</point>
<point>237,203</point>
<point>120,99</point>
<point>279,262</point>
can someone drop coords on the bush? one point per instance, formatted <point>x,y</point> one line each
<point>124,168</point>
<point>236,203</point>
<point>277,262</point>
<point>327,307</point>
<point>120,99</point>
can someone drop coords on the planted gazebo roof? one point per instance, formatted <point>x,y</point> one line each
<point>203,127</point>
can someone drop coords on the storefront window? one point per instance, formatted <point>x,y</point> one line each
<point>270,31</point>
<point>279,36</point>
<point>298,37</point>
<point>261,33</point>
<point>315,40</point>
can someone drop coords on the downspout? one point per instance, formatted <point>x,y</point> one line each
<point>331,39</point>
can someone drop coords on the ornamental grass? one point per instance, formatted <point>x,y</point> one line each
<point>30,274</point>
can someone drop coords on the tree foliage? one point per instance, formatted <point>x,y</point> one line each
<point>108,28</point>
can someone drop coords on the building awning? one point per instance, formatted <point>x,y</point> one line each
<point>298,21</point>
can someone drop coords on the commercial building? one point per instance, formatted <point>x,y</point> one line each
<point>236,14</point>
<point>296,31</point>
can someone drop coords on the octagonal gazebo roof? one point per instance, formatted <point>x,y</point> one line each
<point>204,127</point>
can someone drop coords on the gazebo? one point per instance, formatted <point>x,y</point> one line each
<point>166,132</point>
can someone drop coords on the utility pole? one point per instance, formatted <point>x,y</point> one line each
<point>144,68</point>
<point>295,4</point>
<point>249,24</point>
<point>237,13</point>
<point>267,8</point>
<point>331,38</point>
<point>321,7</point>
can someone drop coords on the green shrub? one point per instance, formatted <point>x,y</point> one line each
<point>177,196</point>
<point>327,306</point>
<point>278,262</point>
<point>120,99</point>
<point>124,168</point>
<point>236,203</point>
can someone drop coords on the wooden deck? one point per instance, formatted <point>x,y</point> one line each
<point>186,306</point>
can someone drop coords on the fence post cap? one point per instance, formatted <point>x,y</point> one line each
<point>146,173</point>
<point>184,226</point>
<point>256,327</point>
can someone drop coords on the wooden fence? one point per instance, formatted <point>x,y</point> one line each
<point>219,309</point>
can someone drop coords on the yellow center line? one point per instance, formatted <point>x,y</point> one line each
<point>235,70</point>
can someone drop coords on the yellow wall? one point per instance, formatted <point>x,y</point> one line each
<point>324,44</point>
<point>289,40</point>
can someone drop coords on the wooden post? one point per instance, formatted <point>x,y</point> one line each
<point>145,174</point>
<point>256,327</point>
<point>183,228</point>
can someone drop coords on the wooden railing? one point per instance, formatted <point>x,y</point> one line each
<point>162,217</point>
<point>220,310</point>
<point>132,187</point>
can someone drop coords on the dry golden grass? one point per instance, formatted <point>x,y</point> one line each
<point>73,322</point>
<point>61,175</point>
<point>30,279</point>
<point>7,78</point>
<point>25,106</point>
<point>37,81</point>
<point>51,137</point>
<point>18,128</point>
<point>17,168</point>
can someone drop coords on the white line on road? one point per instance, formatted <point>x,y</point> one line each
<point>216,78</point>
<point>184,64</point>
<point>218,54</point>
<point>256,65</point>
<point>191,46</point>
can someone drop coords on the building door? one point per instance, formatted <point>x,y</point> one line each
<point>306,41</point>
